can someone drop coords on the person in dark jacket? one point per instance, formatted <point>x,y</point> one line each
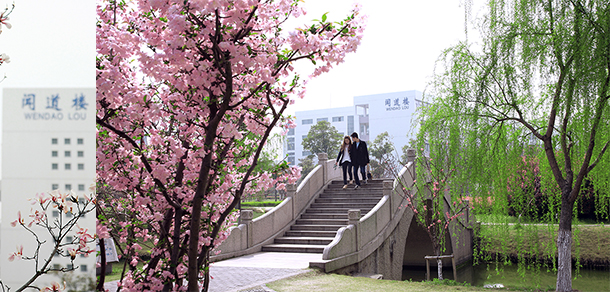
<point>345,160</point>
<point>360,158</point>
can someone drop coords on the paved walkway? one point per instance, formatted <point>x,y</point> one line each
<point>251,272</point>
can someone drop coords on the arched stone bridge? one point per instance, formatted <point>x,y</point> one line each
<point>356,231</point>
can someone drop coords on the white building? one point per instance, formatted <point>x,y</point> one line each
<point>48,143</point>
<point>370,116</point>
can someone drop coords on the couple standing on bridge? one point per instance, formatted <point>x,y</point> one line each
<point>353,156</point>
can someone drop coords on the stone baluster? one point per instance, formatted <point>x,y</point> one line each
<point>322,158</point>
<point>353,216</point>
<point>246,218</point>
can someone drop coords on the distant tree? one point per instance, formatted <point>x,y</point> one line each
<point>403,156</point>
<point>383,156</point>
<point>323,138</point>
<point>306,165</point>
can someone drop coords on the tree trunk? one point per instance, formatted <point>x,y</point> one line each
<point>206,263</point>
<point>102,279</point>
<point>439,263</point>
<point>564,247</point>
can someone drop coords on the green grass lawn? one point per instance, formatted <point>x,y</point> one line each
<point>590,242</point>
<point>117,269</point>
<point>318,281</point>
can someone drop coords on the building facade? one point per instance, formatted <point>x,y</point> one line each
<point>48,144</point>
<point>370,116</point>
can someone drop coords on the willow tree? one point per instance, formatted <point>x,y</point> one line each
<point>537,85</point>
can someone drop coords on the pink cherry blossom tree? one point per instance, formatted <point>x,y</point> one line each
<point>188,94</point>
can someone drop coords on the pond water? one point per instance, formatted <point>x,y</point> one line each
<point>512,276</point>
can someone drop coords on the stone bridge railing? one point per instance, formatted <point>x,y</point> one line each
<point>249,236</point>
<point>363,236</point>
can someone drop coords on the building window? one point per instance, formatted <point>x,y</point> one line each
<point>307,122</point>
<point>350,124</point>
<point>321,119</point>
<point>69,239</point>
<point>54,187</point>
<point>81,166</point>
<point>54,153</point>
<point>67,166</point>
<point>83,268</point>
<point>67,153</point>
<point>54,166</point>
<point>306,153</point>
<point>54,141</point>
<point>304,137</point>
<point>67,141</point>
<point>290,160</point>
<point>291,132</point>
<point>80,141</point>
<point>70,266</point>
<point>55,214</point>
<point>80,153</point>
<point>290,143</point>
<point>337,119</point>
<point>56,266</point>
<point>68,187</point>
<point>81,187</point>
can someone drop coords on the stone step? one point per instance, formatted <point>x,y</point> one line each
<point>310,233</point>
<point>300,248</point>
<point>309,227</point>
<point>370,181</point>
<point>322,221</point>
<point>377,188</point>
<point>303,240</point>
<point>325,215</point>
<point>344,205</point>
<point>347,200</point>
<point>333,210</point>
<point>350,195</point>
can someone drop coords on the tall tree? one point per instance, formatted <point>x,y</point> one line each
<point>384,156</point>
<point>538,85</point>
<point>188,94</point>
<point>323,138</point>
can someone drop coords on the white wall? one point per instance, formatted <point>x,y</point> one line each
<point>398,118</point>
<point>28,133</point>
<point>302,130</point>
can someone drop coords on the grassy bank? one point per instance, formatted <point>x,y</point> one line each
<point>318,281</point>
<point>590,246</point>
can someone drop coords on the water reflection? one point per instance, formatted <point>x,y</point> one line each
<point>531,277</point>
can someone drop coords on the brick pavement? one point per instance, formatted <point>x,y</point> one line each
<point>251,272</point>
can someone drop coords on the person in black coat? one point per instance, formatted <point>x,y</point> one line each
<point>360,158</point>
<point>345,160</point>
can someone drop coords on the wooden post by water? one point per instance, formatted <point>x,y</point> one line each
<point>428,258</point>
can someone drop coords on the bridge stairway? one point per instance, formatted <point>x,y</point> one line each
<point>319,224</point>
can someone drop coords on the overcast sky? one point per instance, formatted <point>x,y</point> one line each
<point>401,43</point>
<point>52,44</point>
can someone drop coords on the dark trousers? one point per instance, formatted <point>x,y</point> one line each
<point>347,168</point>
<point>362,171</point>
